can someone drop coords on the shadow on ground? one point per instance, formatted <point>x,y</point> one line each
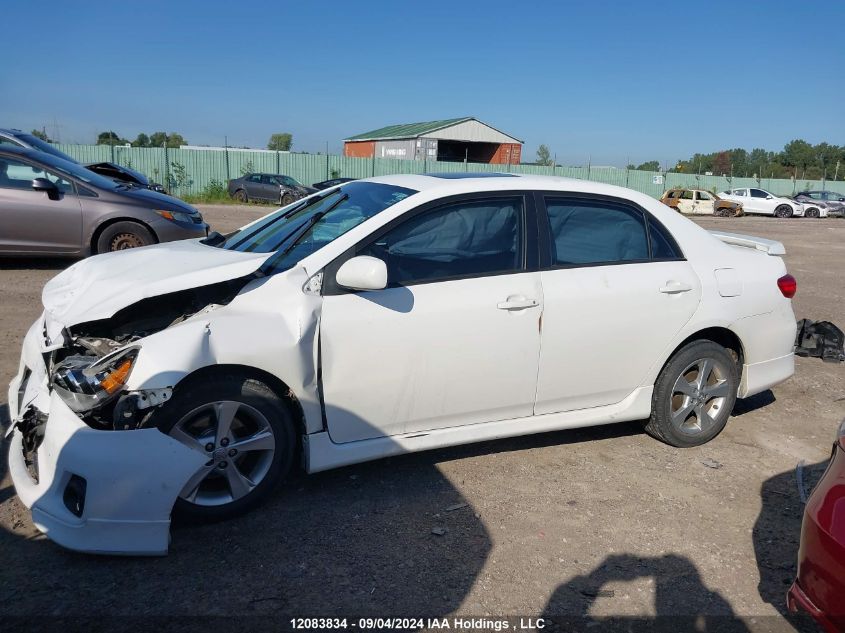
<point>357,540</point>
<point>777,533</point>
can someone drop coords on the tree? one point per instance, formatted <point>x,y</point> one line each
<point>652,165</point>
<point>142,140</point>
<point>158,139</point>
<point>722,164</point>
<point>280,142</point>
<point>40,134</point>
<point>544,156</point>
<point>110,138</point>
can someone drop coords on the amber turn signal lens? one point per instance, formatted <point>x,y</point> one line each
<point>114,381</point>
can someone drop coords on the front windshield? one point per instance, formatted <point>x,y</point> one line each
<point>44,146</point>
<point>79,172</point>
<point>298,230</point>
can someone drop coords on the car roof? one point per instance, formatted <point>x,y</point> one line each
<point>471,183</point>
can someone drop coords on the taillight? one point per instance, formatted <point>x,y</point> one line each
<point>788,286</point>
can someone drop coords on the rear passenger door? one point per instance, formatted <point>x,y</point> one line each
<point>685,204</point>
<point>252,184</point>
<point>616,290</point>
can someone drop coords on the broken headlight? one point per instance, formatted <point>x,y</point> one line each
<point>85,385</point>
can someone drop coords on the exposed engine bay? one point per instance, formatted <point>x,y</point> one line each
<point>90,370</point>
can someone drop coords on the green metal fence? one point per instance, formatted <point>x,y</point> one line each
<point>190,171</point>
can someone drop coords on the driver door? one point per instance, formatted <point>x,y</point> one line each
<point>454,337</point>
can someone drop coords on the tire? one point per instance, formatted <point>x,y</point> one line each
<point>123,235</point>
<point>783,211</point>
<point>812,213</point>
<point>722,212</point>
<point>683,414</point>
<point>236,478</point>
<point>240,196</point>
<point>286,199</point>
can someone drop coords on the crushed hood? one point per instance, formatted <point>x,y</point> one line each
<point>97,287</point>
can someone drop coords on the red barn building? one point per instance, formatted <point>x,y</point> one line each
<point>465,139</point>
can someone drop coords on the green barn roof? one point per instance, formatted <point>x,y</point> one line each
<point>407,130</point>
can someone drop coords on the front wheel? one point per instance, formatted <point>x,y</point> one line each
<point>286,199</point>
<point>123,235</point>
<point>812,213</point>
<point>246,434</point>
<point>783,211</point>
<point>694,395</point>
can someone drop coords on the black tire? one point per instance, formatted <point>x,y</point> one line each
<point>255,399</point>
<point>286,199</point>
<point>240,196</point>
<point>783,211</point>
<point>674,415</point>
<point>812,213</point>
<point>123,235</point>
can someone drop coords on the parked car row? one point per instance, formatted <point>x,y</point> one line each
<point>753,200</point>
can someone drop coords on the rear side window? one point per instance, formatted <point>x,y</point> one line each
<point>464,239</point>
<point>686,195</point>
<point>595,232</point>
<point>663,247</point>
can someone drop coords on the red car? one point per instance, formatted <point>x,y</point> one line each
<point>820,587</point>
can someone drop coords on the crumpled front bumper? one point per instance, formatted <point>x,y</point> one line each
<point>132,478</point>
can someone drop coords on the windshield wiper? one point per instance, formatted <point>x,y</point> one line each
<point>294,236</point>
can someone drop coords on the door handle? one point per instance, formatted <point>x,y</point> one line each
<point>675,287</point>
<point>517,303</point>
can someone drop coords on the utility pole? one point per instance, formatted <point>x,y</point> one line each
<point>836,173</point>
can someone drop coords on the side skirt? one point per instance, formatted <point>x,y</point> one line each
<point>323,454</point>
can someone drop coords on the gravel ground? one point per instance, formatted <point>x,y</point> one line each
<point>596,522</point>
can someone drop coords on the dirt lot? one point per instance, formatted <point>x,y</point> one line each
<point>595,522</point>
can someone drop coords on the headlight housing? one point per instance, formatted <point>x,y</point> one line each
<point>86,385</point>
<point>177,216</point>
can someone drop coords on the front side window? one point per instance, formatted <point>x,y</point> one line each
<point>759,193</point>
<point>595,232</point>
<point>16,174</point>
<point>463,239</point>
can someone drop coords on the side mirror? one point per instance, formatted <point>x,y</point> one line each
<point>362,273</point>
<point>769,197</point>
<point>42,184</point>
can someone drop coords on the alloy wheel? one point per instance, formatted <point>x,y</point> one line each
<point>239,445</point>
<point>699,396</point>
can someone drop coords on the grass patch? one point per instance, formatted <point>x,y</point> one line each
<point>216,193</point>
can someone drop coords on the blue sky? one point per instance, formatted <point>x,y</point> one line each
<point>605,80</point>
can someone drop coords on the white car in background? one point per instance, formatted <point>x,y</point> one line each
<point>761,202</point>
<point>385,316</point>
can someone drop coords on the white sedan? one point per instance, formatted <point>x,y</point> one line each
<point>384,316</point>
<point>761,202</point>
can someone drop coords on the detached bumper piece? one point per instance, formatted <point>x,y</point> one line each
<point>820,339</point>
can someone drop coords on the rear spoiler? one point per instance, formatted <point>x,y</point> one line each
<point>770,247</point>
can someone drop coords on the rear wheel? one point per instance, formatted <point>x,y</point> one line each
<point>240,196</point>
<point>123,235</point>
<point>245,432</point>
<point>694,395</point>
<point>783,211</point>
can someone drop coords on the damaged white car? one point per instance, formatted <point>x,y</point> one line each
<point>383,316</point>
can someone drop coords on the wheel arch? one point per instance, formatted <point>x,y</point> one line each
<point>279,387</point>
<point>95,236</point>
<point>720,335</point>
